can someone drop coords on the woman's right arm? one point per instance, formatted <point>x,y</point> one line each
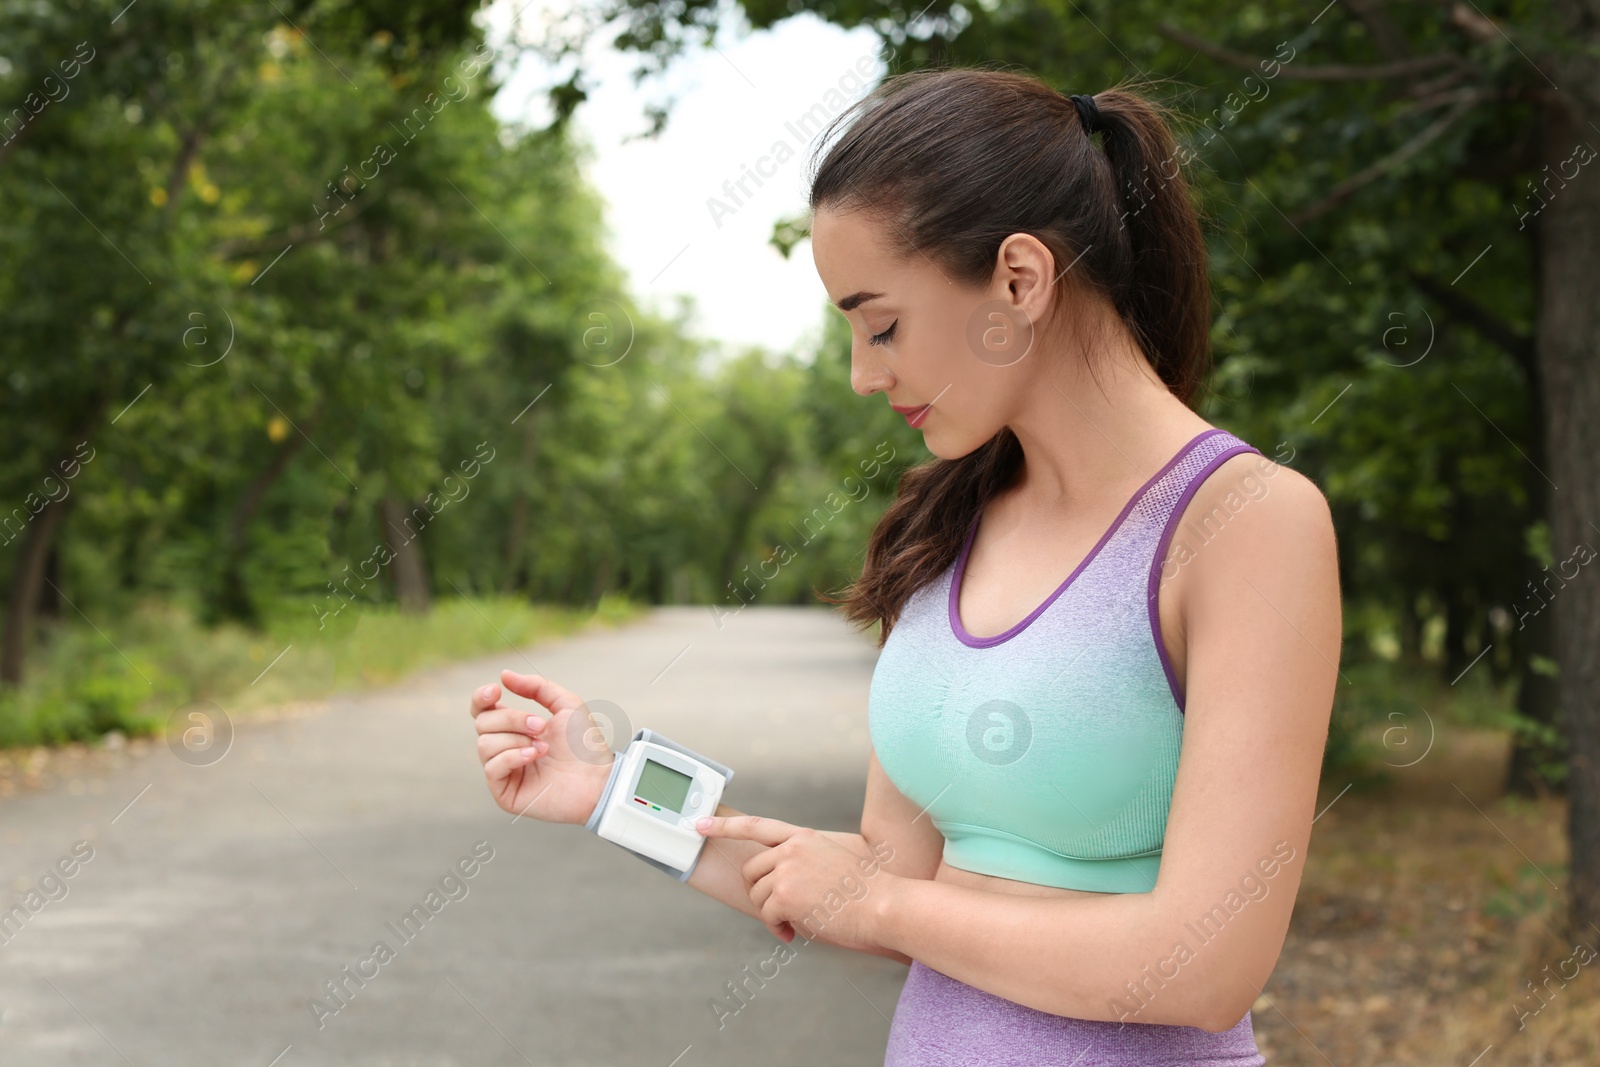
<point>720,875</point>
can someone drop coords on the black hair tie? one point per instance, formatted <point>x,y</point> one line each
<point>1088,112</point>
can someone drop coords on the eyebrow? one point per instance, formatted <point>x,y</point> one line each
<point>855,300</point>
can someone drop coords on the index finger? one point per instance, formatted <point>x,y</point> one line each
<point>758,828</point>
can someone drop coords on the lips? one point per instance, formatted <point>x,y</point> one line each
<point>915,414</point>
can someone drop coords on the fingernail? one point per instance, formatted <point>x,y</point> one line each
<point>534,722</point>
<point>485,691</point>
<point>530,752</point>
<point>703,824</point>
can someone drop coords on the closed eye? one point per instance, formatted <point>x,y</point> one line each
<point>885,336</point>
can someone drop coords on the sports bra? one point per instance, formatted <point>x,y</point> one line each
<point>1048,753</point>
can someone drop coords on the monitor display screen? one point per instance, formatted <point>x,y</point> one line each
<point>662,785</point>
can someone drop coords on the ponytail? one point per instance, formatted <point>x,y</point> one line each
<point>1166,295</point>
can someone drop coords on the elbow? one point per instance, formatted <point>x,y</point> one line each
<point>1221,1023</point>
<point>1221,1013</point>
<point>1227,989</point>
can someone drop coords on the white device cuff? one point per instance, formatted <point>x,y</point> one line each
<point>592,824</point>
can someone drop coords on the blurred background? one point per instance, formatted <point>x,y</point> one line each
<point>351,350</point>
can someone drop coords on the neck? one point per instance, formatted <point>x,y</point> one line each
<point>1089,439</point>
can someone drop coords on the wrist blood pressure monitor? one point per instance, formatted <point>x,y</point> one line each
<point>657,789</point>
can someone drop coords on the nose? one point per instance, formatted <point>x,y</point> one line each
<point>868,375</point>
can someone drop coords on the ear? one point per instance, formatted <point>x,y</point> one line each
<point>1028,270</point>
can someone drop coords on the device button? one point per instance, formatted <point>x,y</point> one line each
<point>687,824</point>
<point>695,798</point>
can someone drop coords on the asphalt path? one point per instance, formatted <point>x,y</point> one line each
<point>212,899</point>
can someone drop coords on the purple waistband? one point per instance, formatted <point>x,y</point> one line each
<point>940,1022</point>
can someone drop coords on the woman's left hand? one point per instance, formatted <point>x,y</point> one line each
<point>805,878</point>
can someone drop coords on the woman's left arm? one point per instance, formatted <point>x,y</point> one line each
<point>1263,630</point>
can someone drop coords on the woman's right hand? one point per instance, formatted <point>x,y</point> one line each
<point>553,769</point>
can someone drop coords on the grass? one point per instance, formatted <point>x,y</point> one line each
<point>133,673</point>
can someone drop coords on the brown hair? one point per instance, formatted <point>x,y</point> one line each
<point>956,160</point>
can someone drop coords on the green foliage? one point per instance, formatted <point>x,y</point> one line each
<point>1546,746</point>
<point>132,674</point>
<point>77,707</point>
<point>287,266</point>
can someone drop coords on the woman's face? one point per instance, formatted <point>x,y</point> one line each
<point>920,338</point>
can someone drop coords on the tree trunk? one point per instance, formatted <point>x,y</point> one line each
<point>1410,626</point>
<point>1457,622</point>
<point>1454,586</point>
<point>233,598</point>
<point>27,581</point>
<point>410,576</point>
<point>602,580</point>
<point>736,531</point>
<point>50,603</point>
<point>28,569</point>
<point>516,547</point>
<point>1568,338</point>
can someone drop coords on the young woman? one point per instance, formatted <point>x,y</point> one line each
<point>1109,631</point>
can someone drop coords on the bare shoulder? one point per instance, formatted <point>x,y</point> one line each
<point>1249,512</point>
<point>1258,555</point>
